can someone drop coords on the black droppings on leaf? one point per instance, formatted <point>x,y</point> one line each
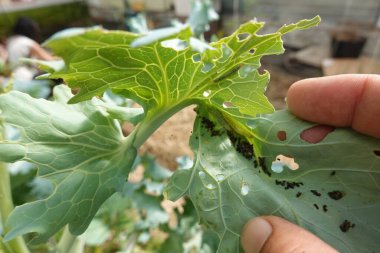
<point>264,167</point>
<point>325,208</point>
<point>233,138</point>
<point>376,152</point>
<point>210,126</point>
<point>242,146</point>
<point>316,206</point>
<point>316,193</point>
<point>333,173</point>
<point>246,149</point>
<point>346,225</point>
<point>299,194</point>
<point>336,195</point>
<point>287,184</point>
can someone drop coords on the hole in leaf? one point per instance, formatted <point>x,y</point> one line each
<point>316,134</point>
<point>127,128</point>
<point>12,133</point>
<point>376,152</point>
<point>228,105</point>
<point>252,51</point>
<point>281,161</point>
<point>245,70</point>
<point>207,67</point>
<point>243,36</point>
<point>262,70</point>
<point>226,53</point>
<point>281,135</point>
<point>197,58</point>
<point>336,195</point>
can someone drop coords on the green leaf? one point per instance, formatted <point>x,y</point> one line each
<point>160,78</point>
<point>174,243</point>
<point>228,189</point>
<point>133,115</point>
<point>77,148</point>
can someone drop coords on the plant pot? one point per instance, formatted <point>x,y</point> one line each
<point>345,45</point>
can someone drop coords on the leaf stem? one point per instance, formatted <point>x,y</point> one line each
<point>69,243</point>
<point>152,122</point>
<point>4,247</point>
<point>18,244</point>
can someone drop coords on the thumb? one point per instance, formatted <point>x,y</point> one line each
<point>270,234</point>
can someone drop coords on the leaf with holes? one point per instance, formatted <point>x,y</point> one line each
<point>337,199</point>
<point>161,78</point>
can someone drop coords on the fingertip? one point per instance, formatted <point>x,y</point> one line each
<point>255,233</point>
<point>326,100</point>
<point>341,101</point>
<point>276,235</point>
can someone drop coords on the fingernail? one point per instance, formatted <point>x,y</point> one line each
<point>255,233</point>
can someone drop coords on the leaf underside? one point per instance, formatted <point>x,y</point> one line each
<point>159,77</point>
<point>228,189</point>
<point>76,148</point>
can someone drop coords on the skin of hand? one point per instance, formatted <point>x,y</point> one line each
<point>340,101</point>
<point>38,52</point>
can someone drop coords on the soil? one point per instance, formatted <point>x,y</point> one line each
<point>171,139</point>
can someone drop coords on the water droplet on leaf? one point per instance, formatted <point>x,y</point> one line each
<point>244,189</point>
<point>206,93</point>
<point>227,105</point>
<point>211,186</point>
<point>220,177</point>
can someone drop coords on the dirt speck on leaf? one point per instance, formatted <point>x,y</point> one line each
<point>346,225</point>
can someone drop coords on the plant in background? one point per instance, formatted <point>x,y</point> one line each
<point>248,162</point>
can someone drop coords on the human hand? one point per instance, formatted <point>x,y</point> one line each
<point>341,101</point>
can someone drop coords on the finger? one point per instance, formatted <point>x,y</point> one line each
<point>270,234</point>
<point>342,101</point>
